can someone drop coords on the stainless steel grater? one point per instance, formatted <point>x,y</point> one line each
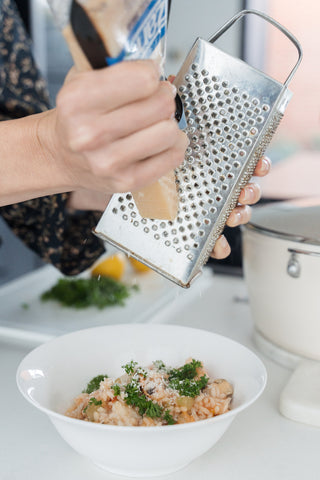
<point>231,111</point>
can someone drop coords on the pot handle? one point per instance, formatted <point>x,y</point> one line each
<point>293,267</point>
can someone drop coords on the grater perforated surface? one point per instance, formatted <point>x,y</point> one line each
<point>231,112</point>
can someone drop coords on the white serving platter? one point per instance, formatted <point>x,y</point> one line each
<point>23,316</point>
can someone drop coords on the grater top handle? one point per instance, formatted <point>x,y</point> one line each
<point>239,15</point>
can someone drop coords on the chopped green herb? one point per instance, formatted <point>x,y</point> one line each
<point>94,384</point>
<point>203,382</point>
<point>25,306</point>
<point>134,396</point>
<point>85,292</point>
<point>93,401</point>
<point>169,418</point>
<point>159,365</point>
<point>189,370</point>
<point>189,388</point>
<point>137,399</point>
<point>116,389</point>
<point>153,410</point>
<point>130,367</point>
<point>141,371</point>
<point>182,379</point>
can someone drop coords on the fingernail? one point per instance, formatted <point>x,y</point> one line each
<point>223,242</point>
<point>265,165</point>
<point>174,89</point>
<point>248,194</point>
<point>236,218</point>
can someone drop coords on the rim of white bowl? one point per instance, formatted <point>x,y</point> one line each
<point>193,425</point>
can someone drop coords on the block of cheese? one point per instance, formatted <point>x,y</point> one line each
<point>158,200</point>
<point>77,54</point>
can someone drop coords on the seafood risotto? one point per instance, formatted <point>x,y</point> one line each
<point>152,396</point>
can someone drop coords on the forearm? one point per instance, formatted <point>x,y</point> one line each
<point>26,169</point>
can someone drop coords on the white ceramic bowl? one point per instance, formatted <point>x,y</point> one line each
<point>53,374</point>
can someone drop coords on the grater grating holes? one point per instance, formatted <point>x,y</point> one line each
<point>216,114</point>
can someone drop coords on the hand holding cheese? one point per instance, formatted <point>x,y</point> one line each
<point>113,129</point>
<point>110,25</point>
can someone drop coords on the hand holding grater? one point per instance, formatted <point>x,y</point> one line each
<point>231,112</point>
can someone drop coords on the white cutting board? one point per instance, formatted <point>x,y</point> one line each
<point>23,316</point>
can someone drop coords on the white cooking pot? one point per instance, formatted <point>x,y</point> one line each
<point>281,256</point>
<point>281,259</point>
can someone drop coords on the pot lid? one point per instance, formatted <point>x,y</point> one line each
<point>297,220</point>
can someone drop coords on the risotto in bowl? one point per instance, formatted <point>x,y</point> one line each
<point>141,400</point>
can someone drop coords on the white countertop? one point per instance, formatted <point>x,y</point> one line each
<point>260,444</point>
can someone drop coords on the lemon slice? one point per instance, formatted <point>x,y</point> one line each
<point>138,266</point>
<point>112,266</point>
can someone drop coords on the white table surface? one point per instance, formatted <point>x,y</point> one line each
<point>260,444</point>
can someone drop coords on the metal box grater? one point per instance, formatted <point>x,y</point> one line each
<point>231,113</point>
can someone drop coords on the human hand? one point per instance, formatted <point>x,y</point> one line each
<point>113,129</point>
<point>241,214</point>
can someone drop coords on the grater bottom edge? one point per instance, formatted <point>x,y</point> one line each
<point>158,270</point>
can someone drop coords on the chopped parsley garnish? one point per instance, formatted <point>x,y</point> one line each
<point>141,371</point>
<point>130,367</point>
<point>116,389</point>
<point>189,388</point>
<point>153,410</point>
<point>136,398</point>
<point>189,370</point>
<point>159,365</point>
<point>94,384</point>
<point>93,401</point>
<point>183,379</point>
<point>169,418</point>
<point>85,292</point>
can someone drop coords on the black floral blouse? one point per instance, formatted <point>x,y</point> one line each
<point>43,224</point>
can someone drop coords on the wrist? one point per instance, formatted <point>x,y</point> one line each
<point>28,166</point>
<point>52,154</point>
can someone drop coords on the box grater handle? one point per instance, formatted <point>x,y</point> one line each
<point>293,39</point>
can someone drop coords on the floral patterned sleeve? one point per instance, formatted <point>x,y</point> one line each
<point>43,224</point>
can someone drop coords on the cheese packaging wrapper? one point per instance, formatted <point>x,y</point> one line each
<point>130,29</point>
